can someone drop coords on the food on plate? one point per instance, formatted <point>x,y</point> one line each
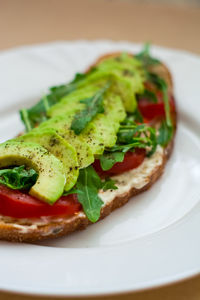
<point>89,146</point>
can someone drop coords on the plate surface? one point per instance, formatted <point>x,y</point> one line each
<point>151,241</point>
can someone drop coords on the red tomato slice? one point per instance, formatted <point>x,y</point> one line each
<point>17,204</point>
<point>131,161</point>
<point>151,110</point>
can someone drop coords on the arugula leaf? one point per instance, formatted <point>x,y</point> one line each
<point>127,132</point>
<point>78,77</point>
<point>37,114</point>
<point>137,143</point>
<point>74,190</point>
<point>162,86</point>
<point>91,202</point>
<point>108,159</point>
<point>135,136</point>
<point>108,184</point>
<point>145,58</point>
<point>165,134</point>
<point>87,187</point>
<point>93,106</point>
<point>136,116</point>
<point>81,76</point>
<point>18,178</point>
<point>149,95</point>
<point>57,92</point>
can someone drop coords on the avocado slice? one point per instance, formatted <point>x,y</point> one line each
<point>61,126</point>
<point>101,132</point>
<point>105,125</point>
<point>71,102</point>
<point>108,123</point>
<point>128,67</point>
<point>51,180</point>
<point>60,148</point>
<point>126,74</point>
<point>121,86</point>
<point>87,144</point>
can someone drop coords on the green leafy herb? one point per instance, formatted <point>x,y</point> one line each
<point>165,134</point>
<point>74,190</point>
<point>108,184</point>
<point>93,106</point>
<point>148,95</point>
<point>37,114</point>
<point>18,178</point>
<point>129,137</point>
<point>147,60</point>
<point>79,77</point>
<point>127,133</point>
<point>162,86</point>
<point>136,116</point>
<point>145,57</point>
<point>108,159</point>
<point>87,187</point>
<point>135,136</point>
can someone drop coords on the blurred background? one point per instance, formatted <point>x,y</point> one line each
<point>172,23</point>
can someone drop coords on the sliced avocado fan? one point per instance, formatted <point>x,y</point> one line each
<point>125,73</point>
<point>60,148</point>
<point>72,101</point>
<point>127,78</point>
<point>61,126</point>
<point>101,132</point>
<point>55,150</point>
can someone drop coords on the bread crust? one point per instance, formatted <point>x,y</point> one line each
<point>17,230</point>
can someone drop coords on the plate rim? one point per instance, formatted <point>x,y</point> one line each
<point>163,282</point>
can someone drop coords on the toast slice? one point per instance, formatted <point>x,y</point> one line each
<point>129,184</point>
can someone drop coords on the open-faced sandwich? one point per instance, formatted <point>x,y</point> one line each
<point>89,146</point>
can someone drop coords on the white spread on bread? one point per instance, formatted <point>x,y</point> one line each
<point>136,178</point>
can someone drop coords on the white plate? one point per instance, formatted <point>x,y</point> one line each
<point>151,241</point>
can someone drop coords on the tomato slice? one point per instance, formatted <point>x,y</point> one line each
<point>17,204</point>
<point>151,110</point>
<point>131,161</point>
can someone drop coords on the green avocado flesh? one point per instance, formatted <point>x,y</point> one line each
<point>54,150</point>
<point>125,74</point>
<point>127,77</point>
<point>51,176</point>
<point>101,132</point>
<point>60,148</point>
<point>71,102</point>
<point>61,125</point>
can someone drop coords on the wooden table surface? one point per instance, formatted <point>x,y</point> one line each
<point>38,21</point>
